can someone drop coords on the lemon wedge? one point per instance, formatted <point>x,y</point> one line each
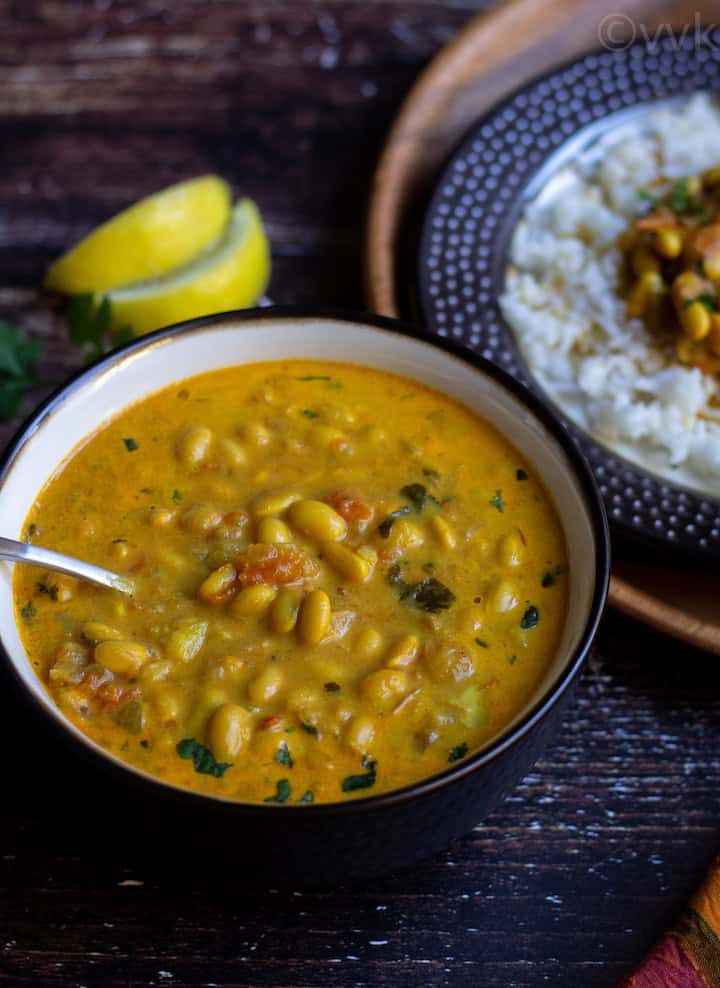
<point>146,240</point>
<point>229,276</point>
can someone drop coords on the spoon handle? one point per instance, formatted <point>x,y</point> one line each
<point>23,552</point>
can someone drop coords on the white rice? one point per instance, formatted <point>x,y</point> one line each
<point>603,369</point>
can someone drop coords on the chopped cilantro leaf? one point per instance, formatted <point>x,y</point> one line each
<point>282,792</point>
<point>512,659</point>
<point>550,576</point>
<point>309,413</point>
<point>283,756</point>
<point>394,573</point>
<point>530,618</point>
<point>458,752</point>
<point>482,643</point>
<point>309,728</point>
<point>203,759</point>
<point>49,591</point>
<point>332,687</point>
<point>365,781</point>
<point>704,298</point>
<point>521,474</point>
<point>679,198</point>
<point>307,797</point>
<point>130,444</point>
<point>28,612</point>
<point>497,501</point>
<point>314,377</point>
<point>176,496</point>
<point>432,474</point>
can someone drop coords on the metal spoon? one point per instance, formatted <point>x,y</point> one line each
<point>22,552</point>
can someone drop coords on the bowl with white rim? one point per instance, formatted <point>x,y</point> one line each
<point>324,842</point>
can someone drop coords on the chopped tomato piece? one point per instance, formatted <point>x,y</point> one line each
<point>272,723</point>
<point>703,242</point>
<point>277,565</point>
<point>104,691</point>
<point>349,506</point>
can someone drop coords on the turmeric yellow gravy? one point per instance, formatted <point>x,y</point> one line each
<point>345,582</point>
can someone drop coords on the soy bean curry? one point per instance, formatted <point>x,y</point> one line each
<point>345,582</point>
<point>671,268</point>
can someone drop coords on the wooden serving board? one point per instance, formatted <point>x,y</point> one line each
<point>497,52</point>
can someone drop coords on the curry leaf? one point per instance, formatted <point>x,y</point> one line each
<point>428,595</point>
<point>130,444</point>
<point>307,797</point>
<point>497,501</point>
<point>418,496</point>
<point>386,525</point>
<point>28,612</point>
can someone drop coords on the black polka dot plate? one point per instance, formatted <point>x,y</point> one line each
<point>499,169</point>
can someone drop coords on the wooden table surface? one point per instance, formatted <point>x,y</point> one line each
<point>569,881</point>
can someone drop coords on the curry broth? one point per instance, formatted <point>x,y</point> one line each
<point>280,651</point>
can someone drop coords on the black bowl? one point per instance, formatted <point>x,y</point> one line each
<point>320,843</point>
<point>500,167</point>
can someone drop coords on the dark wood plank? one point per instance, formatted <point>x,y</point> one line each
<point>570,880</point>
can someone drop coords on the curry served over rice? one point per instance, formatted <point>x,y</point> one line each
<point>345,581</point>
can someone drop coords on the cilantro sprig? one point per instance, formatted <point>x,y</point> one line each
<point>679,198</point>
<point>89,326</point>
<point>18,359</point>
